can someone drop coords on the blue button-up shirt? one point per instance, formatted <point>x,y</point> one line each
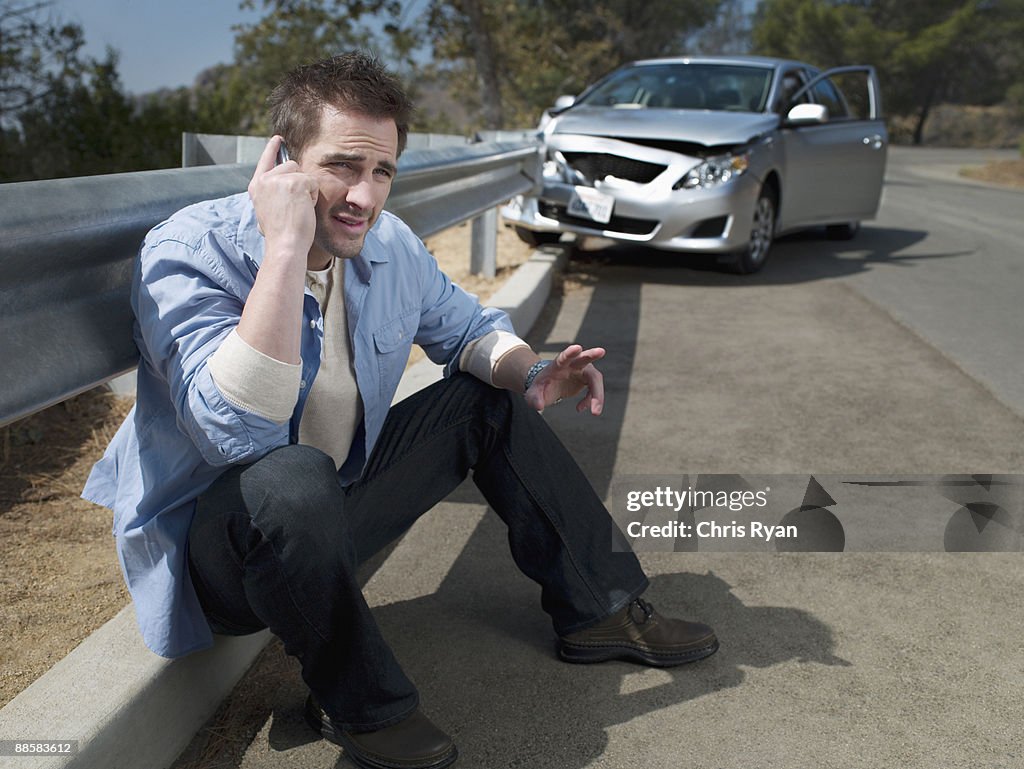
<point>191,280</point>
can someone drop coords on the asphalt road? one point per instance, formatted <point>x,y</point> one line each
<point>946,258</point>
<point>838,359</point>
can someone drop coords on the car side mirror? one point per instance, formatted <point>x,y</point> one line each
<point>563,103</point>
<point>806,114</point>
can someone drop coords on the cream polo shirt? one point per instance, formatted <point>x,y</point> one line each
<point>255,382</point>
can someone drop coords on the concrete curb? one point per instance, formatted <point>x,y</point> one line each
<point>125,706</point>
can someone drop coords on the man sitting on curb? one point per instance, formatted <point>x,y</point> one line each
<point>262,464</point>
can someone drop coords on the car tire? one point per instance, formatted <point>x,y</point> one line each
<point>537,239</point>
<point>845,231</point>
<point>762,233</point>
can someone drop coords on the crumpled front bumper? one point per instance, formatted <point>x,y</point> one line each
<point>713,220</point>
<point>646,209</point>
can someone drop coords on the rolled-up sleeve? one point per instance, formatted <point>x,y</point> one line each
<point>480,357</point>
<point>253,381</point>
<point>187,299</point>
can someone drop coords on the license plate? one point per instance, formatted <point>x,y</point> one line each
<point>591,204</point>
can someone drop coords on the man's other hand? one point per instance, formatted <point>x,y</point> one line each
<point>571,372</point>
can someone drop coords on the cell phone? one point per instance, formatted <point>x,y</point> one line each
<point>282,154</point>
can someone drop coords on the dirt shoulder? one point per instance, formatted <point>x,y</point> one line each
<point>59,576</point>
<point>1009,173</point>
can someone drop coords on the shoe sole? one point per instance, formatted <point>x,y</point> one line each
<point>589,654</point>
<point>328,731</point>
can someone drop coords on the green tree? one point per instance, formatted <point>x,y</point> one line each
<point>77,128</point>
<point>91,126</point>
<point>925,51</point>
<point>513,58</point>
<point>230,98</point>
<point>291,33</point>
<point>76,119</point>
<point>37,52</point>
<point>158,121</point>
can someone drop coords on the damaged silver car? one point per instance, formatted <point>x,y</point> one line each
<point>711,154</point>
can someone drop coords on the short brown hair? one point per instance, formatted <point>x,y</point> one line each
<point>357,82</point>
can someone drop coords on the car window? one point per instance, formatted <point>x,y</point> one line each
<point>684,86</point>
<point>826,93</point>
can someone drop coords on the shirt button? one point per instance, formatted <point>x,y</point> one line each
<point>312,324</point>
<point>302,385</point>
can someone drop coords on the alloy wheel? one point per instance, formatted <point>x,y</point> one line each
<point>762,230</point>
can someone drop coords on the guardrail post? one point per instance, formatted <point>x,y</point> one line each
<point>483,257</point>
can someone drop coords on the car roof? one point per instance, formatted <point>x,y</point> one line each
<point>756,61</point>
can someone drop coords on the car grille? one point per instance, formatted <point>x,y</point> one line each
<point>623,224</point>
<point>690,149</point>
<point>595,166</point>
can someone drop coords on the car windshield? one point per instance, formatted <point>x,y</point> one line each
<point>729,87</point>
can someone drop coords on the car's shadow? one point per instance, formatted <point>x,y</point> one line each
<point>798,258</point>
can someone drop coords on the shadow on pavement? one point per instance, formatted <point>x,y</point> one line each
<point>799,258</point>
<point>482,654</point>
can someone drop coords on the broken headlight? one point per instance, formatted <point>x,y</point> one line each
<point>714,171</point>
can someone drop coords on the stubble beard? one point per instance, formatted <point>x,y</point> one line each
<point>337,247</point>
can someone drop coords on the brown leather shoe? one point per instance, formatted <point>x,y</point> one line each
<point>413,743</point>
<point>640,634</point>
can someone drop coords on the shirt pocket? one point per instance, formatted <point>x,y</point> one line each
<point>392,343</point>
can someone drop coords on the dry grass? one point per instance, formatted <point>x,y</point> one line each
<point>1009,173</point>
<point>962,125</point>
<point>59,576</point>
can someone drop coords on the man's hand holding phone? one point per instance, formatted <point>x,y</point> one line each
<point>284,197</point>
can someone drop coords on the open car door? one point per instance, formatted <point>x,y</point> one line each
<point>835,165</point>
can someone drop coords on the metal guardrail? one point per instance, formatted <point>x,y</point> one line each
<point>438,188</point>
<point>220,149</point>
<point>67,247</point>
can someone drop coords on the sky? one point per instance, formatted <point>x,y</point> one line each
<point>161,42</point>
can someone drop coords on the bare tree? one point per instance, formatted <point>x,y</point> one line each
<point>37,51</point>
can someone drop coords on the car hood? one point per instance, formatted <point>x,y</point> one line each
<point>700,126</point>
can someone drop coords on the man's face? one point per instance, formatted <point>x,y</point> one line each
<point>353,160</point>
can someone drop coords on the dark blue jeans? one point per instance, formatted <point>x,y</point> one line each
<point>277,543</point>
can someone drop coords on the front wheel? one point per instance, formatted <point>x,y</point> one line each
<point>762,232</point>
